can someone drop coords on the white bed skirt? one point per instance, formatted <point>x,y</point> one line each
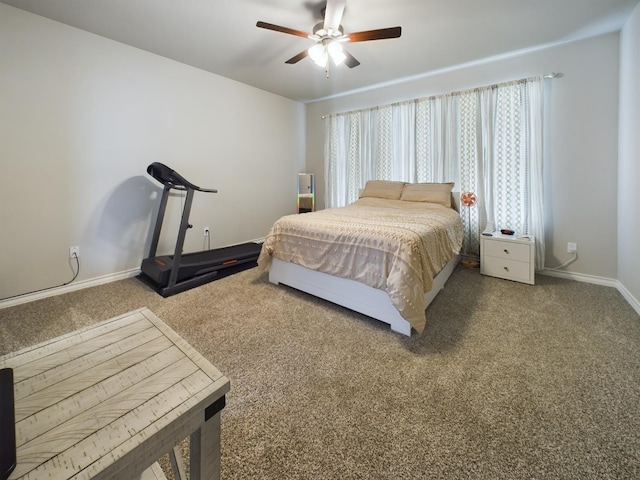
<point>353,295</point>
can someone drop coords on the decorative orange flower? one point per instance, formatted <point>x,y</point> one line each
<point>468,199</point>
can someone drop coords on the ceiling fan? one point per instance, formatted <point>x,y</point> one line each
<point>329,37</point>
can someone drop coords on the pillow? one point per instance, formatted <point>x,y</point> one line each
<point>383,189</point>
<point>439,193</point>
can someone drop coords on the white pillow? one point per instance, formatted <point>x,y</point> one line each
<point>439,193</point>
<point>383,189</point>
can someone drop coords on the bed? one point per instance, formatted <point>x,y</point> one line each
<point>386,255</point>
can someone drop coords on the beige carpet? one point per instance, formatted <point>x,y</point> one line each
<point>508,380</point>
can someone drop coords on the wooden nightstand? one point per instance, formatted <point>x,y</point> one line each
<point>508,257</point>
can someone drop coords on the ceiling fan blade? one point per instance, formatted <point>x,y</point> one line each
<point>350,61</point>
<point>381,34</point>
<point>278,28</point>
<point>298,57</point>
<point>333,14</point>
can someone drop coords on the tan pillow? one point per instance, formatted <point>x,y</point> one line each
<point>439,193</point>
<point>382,189</point>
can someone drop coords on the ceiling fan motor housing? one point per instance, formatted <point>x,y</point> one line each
<point>321,33</point>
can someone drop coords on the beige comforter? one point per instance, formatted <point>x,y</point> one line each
<point>392,245</point>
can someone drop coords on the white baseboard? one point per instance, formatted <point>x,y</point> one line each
<point>635,304</point>
<point>580,277</point>
<point>72,287</point>
<point>607,282</point>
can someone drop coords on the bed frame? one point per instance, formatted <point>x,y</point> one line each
<point>351,294</point>
<point>354,295</point>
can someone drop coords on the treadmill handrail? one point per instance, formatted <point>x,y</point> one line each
<point>172,179</point>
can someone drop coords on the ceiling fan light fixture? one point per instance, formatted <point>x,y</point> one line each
<point>336,52</point>
<point>318,54</point>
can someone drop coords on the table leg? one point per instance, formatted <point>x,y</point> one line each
<point>204,456</point>
<point>177,465</point>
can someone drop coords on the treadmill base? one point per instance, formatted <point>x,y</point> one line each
<point>194,282</point>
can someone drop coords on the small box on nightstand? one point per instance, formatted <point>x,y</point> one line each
<point>508,256</point>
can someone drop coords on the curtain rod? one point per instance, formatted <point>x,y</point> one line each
<point>550,75</point>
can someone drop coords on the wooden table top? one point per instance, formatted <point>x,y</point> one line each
<point>108,400</point>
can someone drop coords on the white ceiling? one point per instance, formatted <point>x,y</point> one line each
<point>221,36</point>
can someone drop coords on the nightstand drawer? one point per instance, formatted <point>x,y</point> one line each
<point>508,250</point>
<point>507,269</point>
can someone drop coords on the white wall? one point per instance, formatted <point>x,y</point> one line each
<point>81,117</point>
<point>581,150</point>
<point>629,161</point>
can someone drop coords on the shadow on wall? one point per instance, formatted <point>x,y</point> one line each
<point>120,233</point>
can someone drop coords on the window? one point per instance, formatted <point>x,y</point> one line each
<point>487,140</point>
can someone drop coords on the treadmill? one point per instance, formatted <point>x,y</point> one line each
<point>171,274</point>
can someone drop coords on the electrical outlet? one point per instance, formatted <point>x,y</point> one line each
<point>74,252</point>
<point>572,247</point>
<point>206,231</point>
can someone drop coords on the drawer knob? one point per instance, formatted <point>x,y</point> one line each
<point>506,251</point>
<point>506,269</point>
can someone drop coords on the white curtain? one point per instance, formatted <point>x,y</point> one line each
<point>487,140</point>
<point>535,114</point>
<point>509,160</point>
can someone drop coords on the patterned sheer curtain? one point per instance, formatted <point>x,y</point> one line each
<point>487,140</point>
